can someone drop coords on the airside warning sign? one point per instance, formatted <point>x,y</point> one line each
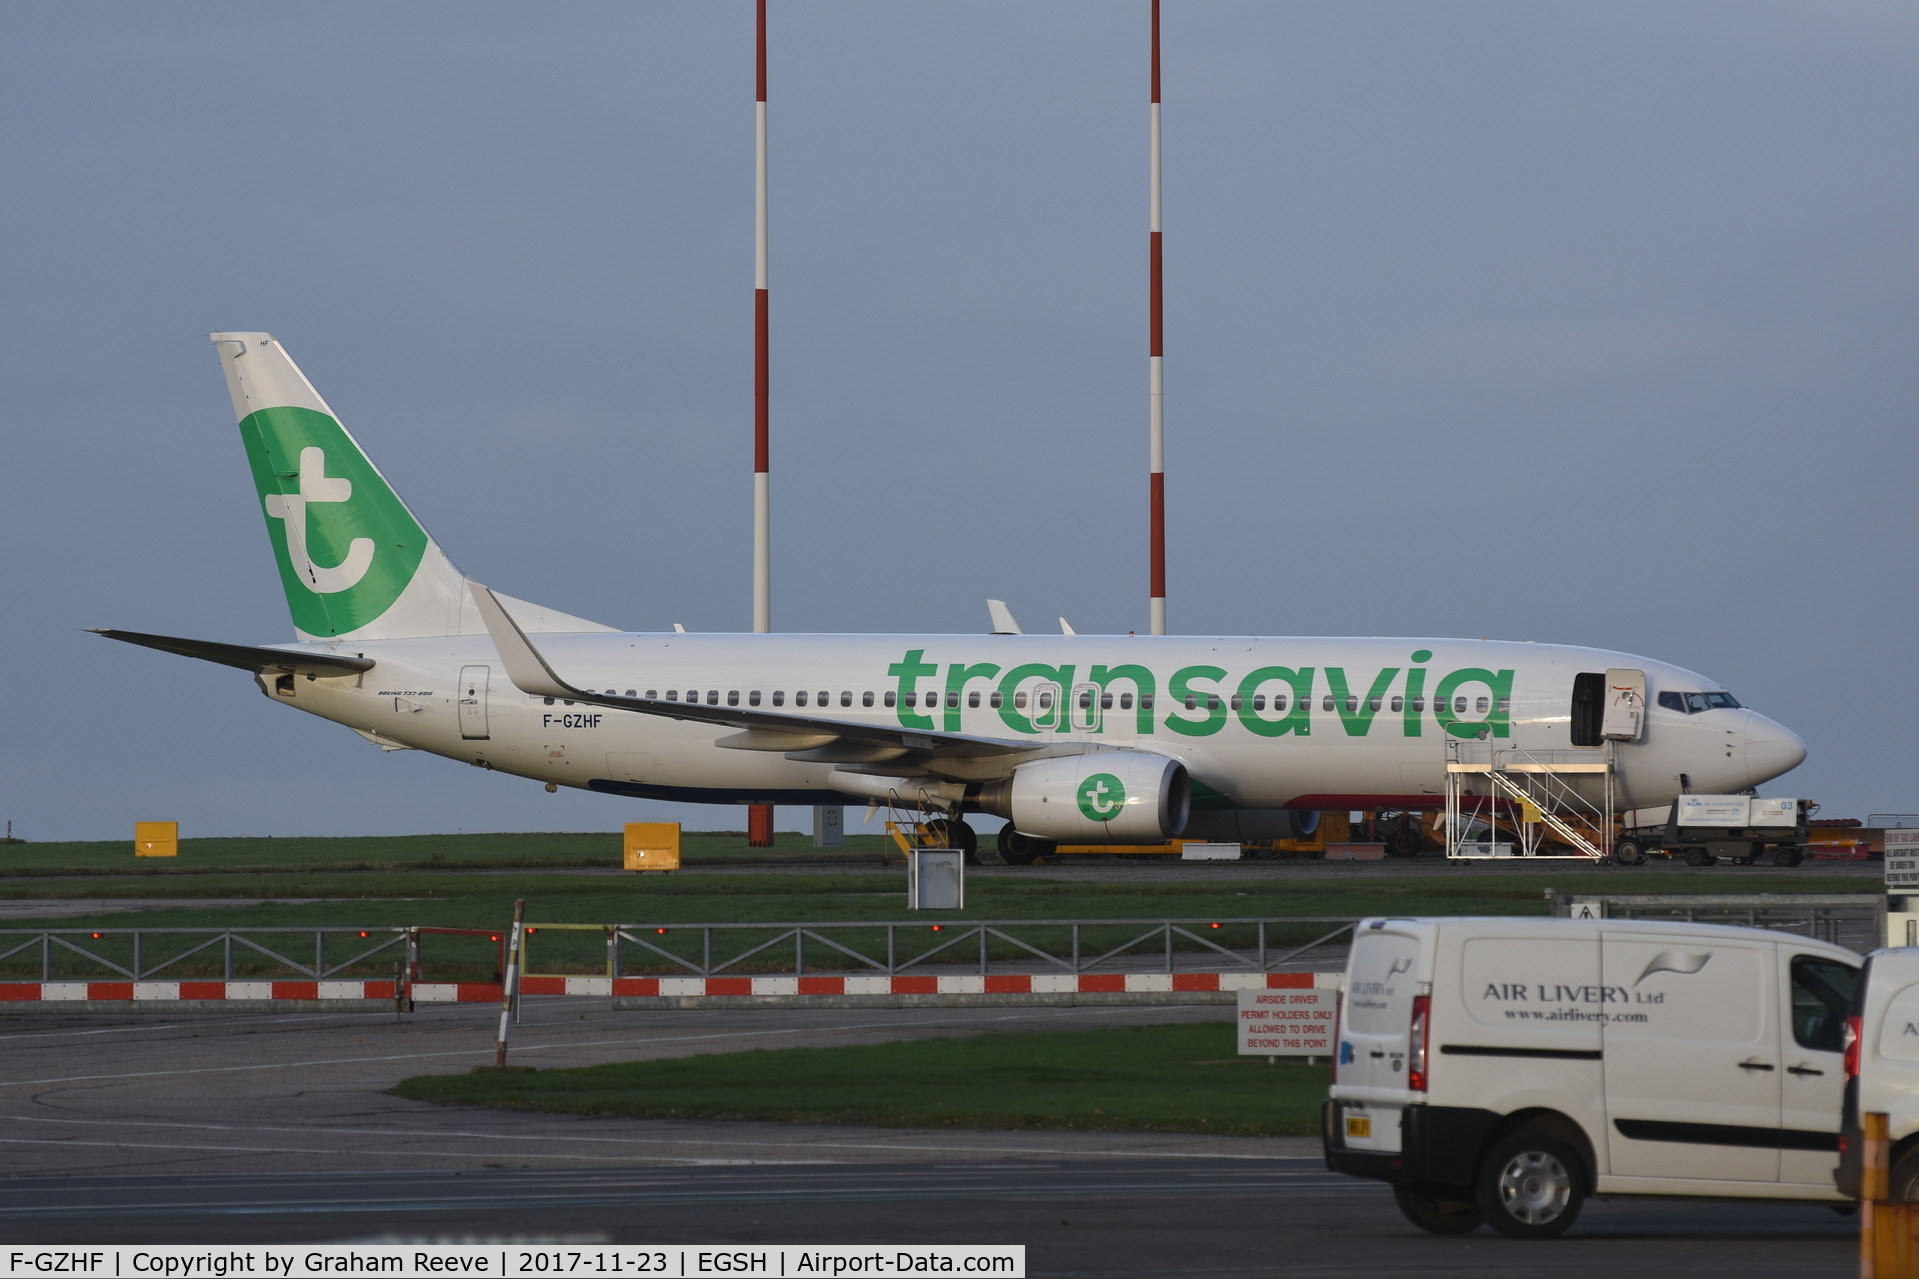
<point>1287,1023</point>
<point>1902,859</point>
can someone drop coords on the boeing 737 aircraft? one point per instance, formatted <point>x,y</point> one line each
<point>1070,738</point>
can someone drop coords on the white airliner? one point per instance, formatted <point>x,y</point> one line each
<point>1071,738</point>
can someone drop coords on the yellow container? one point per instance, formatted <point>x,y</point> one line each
<point>156,839</point>
<point>652,846</point>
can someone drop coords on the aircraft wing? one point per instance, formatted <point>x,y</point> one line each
<point>805,737</point>
<point>246,657</point>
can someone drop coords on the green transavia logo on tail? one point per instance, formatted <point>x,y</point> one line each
<point>346,545</point>
<point>1198,701</point>
<point>1102,797</point>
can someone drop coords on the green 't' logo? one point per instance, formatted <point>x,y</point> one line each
<point>1101,797</point>
<point>346,545</point>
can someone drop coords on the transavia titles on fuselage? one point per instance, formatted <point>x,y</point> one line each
<point>1074,738</point>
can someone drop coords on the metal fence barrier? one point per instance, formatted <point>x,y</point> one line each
<point>142,954</point>
<point>1856,921</point>
<point>886,948</point>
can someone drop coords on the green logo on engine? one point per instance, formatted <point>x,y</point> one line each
<point>1101,797</point>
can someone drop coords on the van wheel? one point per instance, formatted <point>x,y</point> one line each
<point>1699,857</point>
<point>1437,1212</point>
<point>1629,852</point>
<point>1902,1186</point>
<point>1530,1187</point>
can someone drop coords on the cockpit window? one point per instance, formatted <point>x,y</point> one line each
<point>1693,703</point>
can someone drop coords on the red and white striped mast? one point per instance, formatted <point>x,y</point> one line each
<point>762,507</point>
<point>1156,383</point>
<point>759,817</point>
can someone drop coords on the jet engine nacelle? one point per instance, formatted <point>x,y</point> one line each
<point>1107,797</point>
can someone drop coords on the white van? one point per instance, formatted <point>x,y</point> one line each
<point>1882,1067</point>
<point>1501,1070</point>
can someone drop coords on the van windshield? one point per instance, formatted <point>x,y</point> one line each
<point>1379,994</point>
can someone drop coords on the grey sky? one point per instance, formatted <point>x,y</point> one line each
<point>1590,324</point>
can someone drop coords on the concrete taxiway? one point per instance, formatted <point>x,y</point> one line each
<point>225,1128</point>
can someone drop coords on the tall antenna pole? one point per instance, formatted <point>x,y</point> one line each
<point>759,817</point>
<point>1156,378</point>
<point>762,506</point>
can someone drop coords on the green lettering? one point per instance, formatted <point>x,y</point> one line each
<point>1498,720</point>
<point>956,676</point>
<point>1142,680</point>
<point>1299,714</point>
<point>908,671</point>
<point>1017,719</point>
<point>1358,721</point>
<point>1179,688</point>
<point>1415,690</point>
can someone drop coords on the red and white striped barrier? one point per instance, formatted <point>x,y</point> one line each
<point>798,989</point>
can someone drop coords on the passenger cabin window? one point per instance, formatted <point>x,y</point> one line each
<point>1236,701</point>
<point>932,700</point>
<point>1821,996</point>
<point>799,698</point>
<point>753,698</point>
<point>1019,701</point>
<point>952,699</point>
<point>826,698</point>
<point>1589,692</point>
<point>1481,705</point>
<point>1126,701</point>
<point>733,697</point>
<point>1326,703</point>
<point>846,698</point>
<point>997,700</point>
<point>866,698</point>
<point>713,697</point>
<point>672,695</point>
<point>652,693</point>
<point>889,698</point>
<point>972,701</point>
<point>1398,704</point>
<point>779,697</point>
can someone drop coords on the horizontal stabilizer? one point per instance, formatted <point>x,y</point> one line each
<point>246,657</point>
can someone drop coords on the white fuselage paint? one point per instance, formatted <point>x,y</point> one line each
<point>411,698</point>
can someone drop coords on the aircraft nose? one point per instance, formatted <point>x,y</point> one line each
<point>1771,749</point>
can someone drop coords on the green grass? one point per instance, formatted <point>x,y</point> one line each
<point>1183,1078</point>
<point>534,850</point>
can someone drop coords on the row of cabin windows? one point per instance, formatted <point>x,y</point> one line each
<point>1044,700</point>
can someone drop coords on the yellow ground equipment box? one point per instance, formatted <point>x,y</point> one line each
<point>156,839</point>
<point>652,845</point>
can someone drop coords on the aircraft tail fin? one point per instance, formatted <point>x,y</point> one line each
<point>354,562</point>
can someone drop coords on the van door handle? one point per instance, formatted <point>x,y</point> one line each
<point>1378,1052</point>
<point>1755,1065</point>
<point>1803,1070</point>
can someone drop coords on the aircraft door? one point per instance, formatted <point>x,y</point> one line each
<point>1625,714</point>
<point>473,702</point>
<point>1086,708</point>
